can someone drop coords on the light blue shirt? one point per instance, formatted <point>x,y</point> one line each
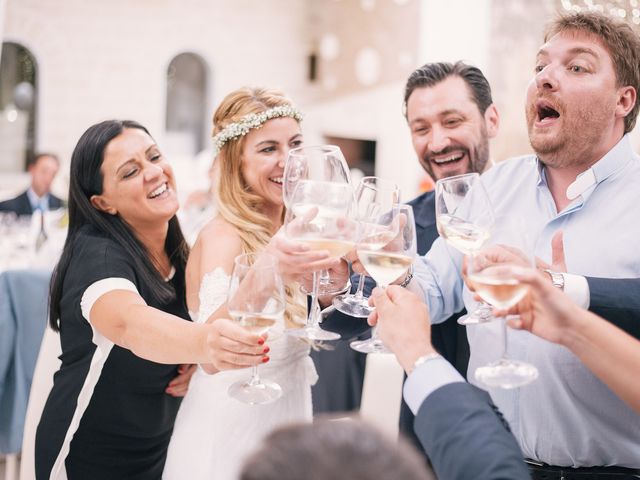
<point>37,202</point>
<point>567,417</point>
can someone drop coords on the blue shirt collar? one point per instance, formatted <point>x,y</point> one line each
<point>37,201</point>
<point>614,160</point>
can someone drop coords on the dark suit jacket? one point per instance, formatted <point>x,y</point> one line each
<point>618,301</point>
<point>465,436</point>
<point>20,205</point>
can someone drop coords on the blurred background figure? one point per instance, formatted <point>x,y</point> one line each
<point>333,449</point>
<point>38,196</point>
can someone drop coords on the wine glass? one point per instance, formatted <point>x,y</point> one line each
<point>320,216</point>
<point>464,217</point>
<point>256,300</point>
<point>496,284</point>
<point>323,163</point>
<point>386,248</point>
<point>373,195</point>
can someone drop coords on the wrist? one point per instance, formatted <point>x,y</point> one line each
<point>414,358</point>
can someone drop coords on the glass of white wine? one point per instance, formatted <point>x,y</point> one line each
<point>256,300</point>
<point>386,248</point>
<point>320,215</point>
<point>321,163</point>
<point>464,217</point>
<point>372,196</point>
<point>492,278</point>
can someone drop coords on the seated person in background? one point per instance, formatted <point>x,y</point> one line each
<point>328,450</point>
<point>43,169</point>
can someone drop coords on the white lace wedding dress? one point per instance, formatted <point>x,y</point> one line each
<point>213,432</point>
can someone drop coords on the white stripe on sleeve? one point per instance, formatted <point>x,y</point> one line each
<point>99,288</point>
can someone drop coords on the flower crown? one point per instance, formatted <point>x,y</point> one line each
<point>252,120</point>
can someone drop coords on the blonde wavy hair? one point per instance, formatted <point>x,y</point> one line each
<point>235,201</point>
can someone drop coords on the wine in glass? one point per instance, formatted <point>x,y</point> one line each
<point>320,216</point>
<point>496,284</point>
<point>464,217</point>
<point>372,196</point>
<point>256,300</point>
<point>386,248</point>
<point>324,163</point>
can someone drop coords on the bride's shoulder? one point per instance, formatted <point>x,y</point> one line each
<point>217,245</point>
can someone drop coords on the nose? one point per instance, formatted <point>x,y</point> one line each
<point>152,171</point>
<point>547,78</point>
<point>282,158</point>
<point>439,139</point>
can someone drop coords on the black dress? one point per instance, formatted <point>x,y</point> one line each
<point>107,416</point>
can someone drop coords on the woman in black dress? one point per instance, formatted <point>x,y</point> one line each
<point>117,297</point>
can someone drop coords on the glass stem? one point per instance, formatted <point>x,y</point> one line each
<point>255,379</point>
<point>504,338</point>
<point>360,291</point>
<point>312,319</point>
<point>325,278</point>
<point>374,330</point>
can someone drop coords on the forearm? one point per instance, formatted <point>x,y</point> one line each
<point>158,336</point>
<point>611,354</point>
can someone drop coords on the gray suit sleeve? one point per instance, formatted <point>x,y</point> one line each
<point>465,436</point>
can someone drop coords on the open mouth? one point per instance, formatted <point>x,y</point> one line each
<point>277,180</point>
<point>545,111</point>
<point>158,191</point>
<point>445,159</point>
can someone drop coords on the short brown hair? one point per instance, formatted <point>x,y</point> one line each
<point>622,43</point>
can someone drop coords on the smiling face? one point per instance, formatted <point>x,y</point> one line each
<point>449,134</point>
<point>138,183</point>
<point>575,111</point>
<point>263,156</point>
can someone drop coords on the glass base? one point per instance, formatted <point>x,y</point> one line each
<point>329,288</point>
<point>261,393</point>
<point>372,345</point>
<point>506,374</point>
<point>482,314</point>
<point>313,333</point>
<point>353,306</point>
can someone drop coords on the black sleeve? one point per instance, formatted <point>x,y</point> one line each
<point>618,301</point>
<point>465,436</point>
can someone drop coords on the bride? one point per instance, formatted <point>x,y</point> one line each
<point>254,129</point>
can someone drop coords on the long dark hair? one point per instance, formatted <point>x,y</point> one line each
<point>86,180</point>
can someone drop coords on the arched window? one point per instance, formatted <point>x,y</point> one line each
<point>187,103</point>
<point>18,94</point>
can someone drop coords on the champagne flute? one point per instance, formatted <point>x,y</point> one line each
<point>323,163</point>
<point>372,196</point>
<point>464,217</point>
<point>319,216</point>
<point>495,284</point>
<point>256,300</point>
<point>386,248</point>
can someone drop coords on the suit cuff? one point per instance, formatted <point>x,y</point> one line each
<point>426,379</point>
<point>577,289</point>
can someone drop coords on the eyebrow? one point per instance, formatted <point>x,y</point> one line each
<point>572,51</point>
<point>271,142</point>
<point>146,152</point>
<point>444,113</point>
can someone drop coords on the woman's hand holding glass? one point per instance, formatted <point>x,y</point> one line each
<point>256,300</point>
<point>319,216</point>
<point>492,274</point>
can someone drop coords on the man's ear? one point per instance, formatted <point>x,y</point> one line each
<point>99,203</point>
<point>492,120</point>
<point>627,98</point>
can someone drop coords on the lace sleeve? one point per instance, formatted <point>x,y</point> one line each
<point>213,293</point>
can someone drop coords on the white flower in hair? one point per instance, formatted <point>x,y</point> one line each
<point>252,120</point>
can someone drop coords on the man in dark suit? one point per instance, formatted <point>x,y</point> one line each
<point>43,169</point>
<point>451,115</point>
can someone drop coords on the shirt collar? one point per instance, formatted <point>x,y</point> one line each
<point>35,200</point>
<point>614,160</point>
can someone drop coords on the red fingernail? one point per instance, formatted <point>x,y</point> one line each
<point>265,359</point>
<point>266,349</point>
<point>261,341</point>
